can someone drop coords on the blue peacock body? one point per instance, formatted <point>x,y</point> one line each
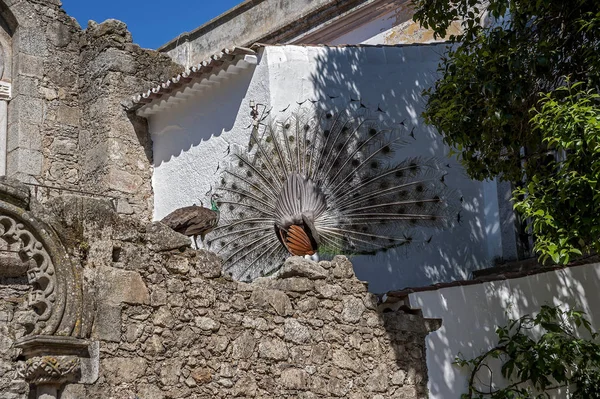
<point>323,182</point>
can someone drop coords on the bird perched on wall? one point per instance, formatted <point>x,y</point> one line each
<point>324,182</point>
<point>194,221</point>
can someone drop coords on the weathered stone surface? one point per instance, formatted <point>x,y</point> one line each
<point>202,375</point>
<point>123,369</point>
<point>342,267</point>
<point>297,266</point>
<point>293,378</point>
<point>274,349</point>
<point>243,346</point>
<point>121,286</point>
<point>162,238</point>
<point>296,332</point>
<point>272,299</point>
<point>353,310</point>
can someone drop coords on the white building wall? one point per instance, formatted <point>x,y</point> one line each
<point>470,315</point>
<point>192,137</point>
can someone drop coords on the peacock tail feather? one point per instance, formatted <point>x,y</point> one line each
<point>324,182</point>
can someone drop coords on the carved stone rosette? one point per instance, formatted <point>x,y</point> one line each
<point>56,296</point>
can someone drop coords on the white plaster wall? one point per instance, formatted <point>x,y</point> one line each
<point>470,315</point>
<point>191,139</point>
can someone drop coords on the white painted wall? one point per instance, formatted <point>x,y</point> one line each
<point>191,139</point>
<point>470,315</point>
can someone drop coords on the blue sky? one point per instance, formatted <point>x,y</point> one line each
<point>151,22</point>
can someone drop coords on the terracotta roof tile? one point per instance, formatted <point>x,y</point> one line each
<point>207,67</point>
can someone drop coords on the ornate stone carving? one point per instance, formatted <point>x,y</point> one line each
<point>55,370</point>
<point>56,298</point>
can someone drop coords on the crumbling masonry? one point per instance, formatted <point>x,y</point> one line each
<point>98,302</point>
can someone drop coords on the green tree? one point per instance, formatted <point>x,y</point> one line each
<point>518,98</point>
<point>566,353</point>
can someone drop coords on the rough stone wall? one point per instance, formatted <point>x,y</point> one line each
<point>115,145</point>
<point>171,326</point>
<point>43,115</point>
<point>66,126</point>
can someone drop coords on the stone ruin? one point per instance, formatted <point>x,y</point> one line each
<point>97,305</point>
<point>97,302</point>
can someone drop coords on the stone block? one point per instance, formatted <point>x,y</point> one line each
<point>59,34</point>
<point>26,161</point>
<point>272,300</point>
<point>32,41</point>
<point>342,267</point>
<point>118,370</point>
<point>162,238</point>
<point>114,60</point>
<point>353,309</point>
<point>149,391</point>
<point>294,378</point>
<point>243,346</point>
<point>30,65</point>
<point>297,266</point>
<point>116,286</point>
<point>29,109</point>
<point>207,324</point>
<point>107,323</point>
<point>121,180</point>
<point>69,115</point>
<point>273,349</point>
<point>296,332</point>
<point>24,135</point>
<point>202,375</point>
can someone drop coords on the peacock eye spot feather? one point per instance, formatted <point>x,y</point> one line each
<point>386,149</point>
<point>286,126</point>
<point>219,203</point>
<point>413,166</point>
<point>222,243</point>
<point>374,165</point>
<point>223,182</point>
<point>268,139</point>
<point>355,162</point>
<point>230,228</point>
<point>241,215</point>
<point>329,115</point>
<point>399,173</point>
<point>234,186</point>
<point>372,132</point>
<point>291,139</point>
<point>345,129</point>
<point>339,146</point>
<point>231,207</point>
<point>420,188</point>
<point>241,164</point>
<point>419,204</point>
<point>433,218</point>
<point>249,173</point>
<point>401,211</point>
<point>384,185</point>
<point>306,128</point>
<point>326,133</point>
<point>437,198</point>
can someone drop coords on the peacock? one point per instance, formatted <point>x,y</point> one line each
<point>194,220</point>
<point>317,182</point>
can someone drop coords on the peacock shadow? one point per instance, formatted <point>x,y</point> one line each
<point>388,82</point>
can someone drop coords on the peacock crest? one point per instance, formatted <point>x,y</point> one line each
<point>324,182</point>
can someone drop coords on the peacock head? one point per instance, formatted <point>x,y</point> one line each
<point>213,203</point>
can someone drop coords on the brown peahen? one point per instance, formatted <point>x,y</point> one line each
<point>194,221</point>
<point>324,183</point>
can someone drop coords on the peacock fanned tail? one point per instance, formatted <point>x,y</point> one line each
<point>324,182</point>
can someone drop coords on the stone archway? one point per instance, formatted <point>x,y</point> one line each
<point>42,310</point>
